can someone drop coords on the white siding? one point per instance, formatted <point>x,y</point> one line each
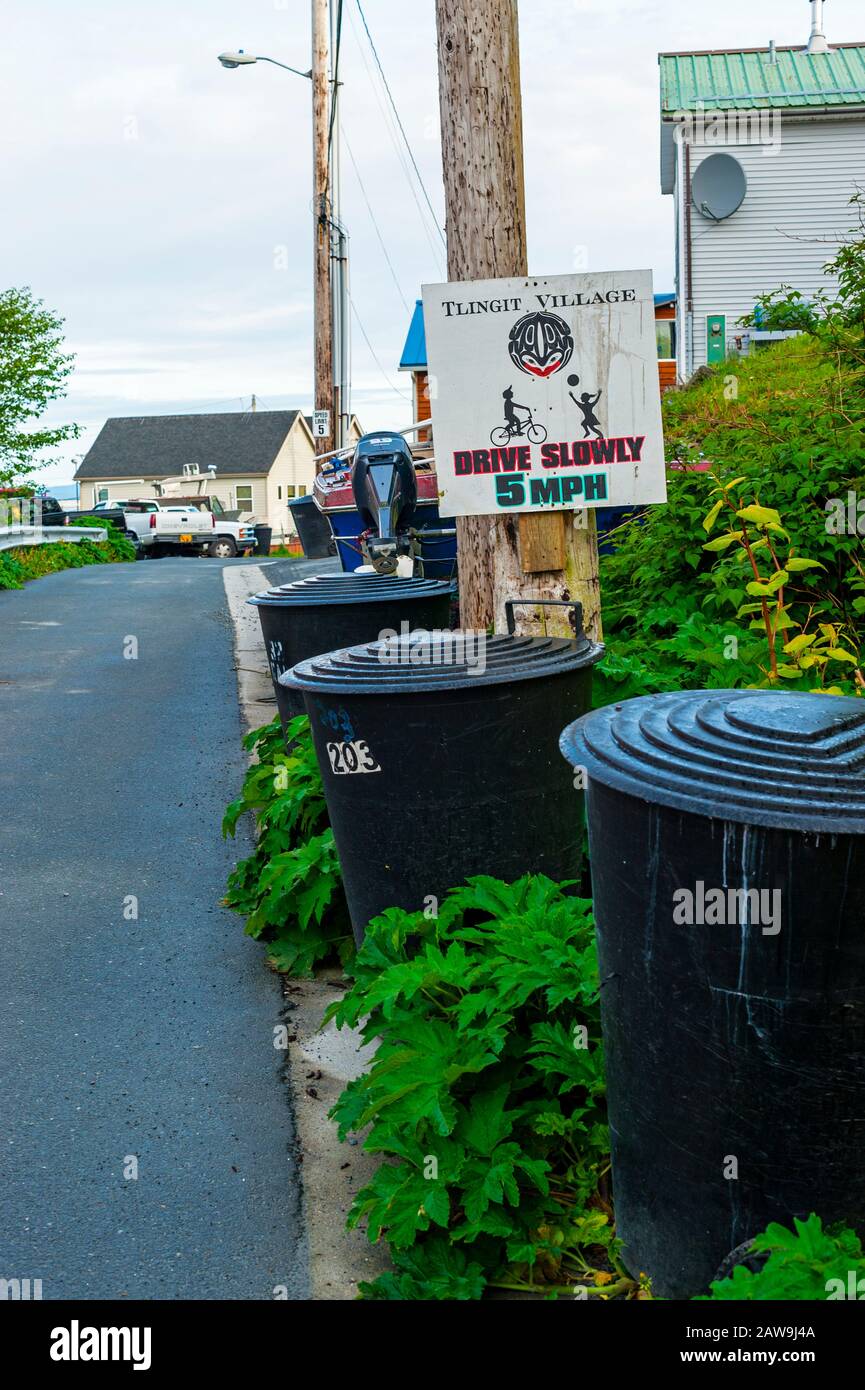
<point>293,468</point>
<point>121,489</point>
<point>796,211</point>
<point>225,488</point>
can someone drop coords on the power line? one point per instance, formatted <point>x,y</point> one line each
<point>399,123</point>
<point>375,224</point>
<point>389,126</point>
<point>393,388</point>
<point>333,102</point>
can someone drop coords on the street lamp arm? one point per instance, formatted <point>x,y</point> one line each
<point>277,64</point>
<point>241,60</point>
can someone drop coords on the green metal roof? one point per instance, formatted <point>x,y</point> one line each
<point>746,78</point>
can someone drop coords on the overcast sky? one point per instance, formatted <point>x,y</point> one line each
<point>162,204</point>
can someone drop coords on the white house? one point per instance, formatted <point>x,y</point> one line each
<point>259,460</point>
<point>789,127</point>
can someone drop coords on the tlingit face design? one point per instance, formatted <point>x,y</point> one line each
<point>540,344</point>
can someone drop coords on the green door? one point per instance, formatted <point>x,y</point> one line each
<point>716,338</point>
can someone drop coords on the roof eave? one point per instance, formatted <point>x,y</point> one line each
<point>729,52</point>
<point>669,117</point>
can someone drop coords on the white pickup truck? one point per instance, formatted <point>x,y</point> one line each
<point>229,537</point>
<point>159,527</point>
<point>197,523</point>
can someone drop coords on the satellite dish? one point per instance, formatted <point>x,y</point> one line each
<point>718,187</point>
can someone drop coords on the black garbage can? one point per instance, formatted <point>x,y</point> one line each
<point>329,611</point>
<point>263,537</point>
<point>440,761</point>
<point>727,847</point>
<point>313,528</point>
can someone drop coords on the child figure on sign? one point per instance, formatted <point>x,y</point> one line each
<point>586,404</point>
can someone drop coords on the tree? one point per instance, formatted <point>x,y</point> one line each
<point>33,372</point>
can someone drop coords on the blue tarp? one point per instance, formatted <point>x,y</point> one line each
<point>414,353</point>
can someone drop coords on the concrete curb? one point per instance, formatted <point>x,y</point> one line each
<point>319,1064</point>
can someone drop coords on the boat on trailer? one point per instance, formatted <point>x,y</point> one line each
<point>382,504</point>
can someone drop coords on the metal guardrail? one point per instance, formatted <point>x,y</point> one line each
<point>13,536</point>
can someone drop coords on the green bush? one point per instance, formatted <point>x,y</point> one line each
<point>26,562</point>
<point>789,423</point>
<point>486,1096</point>
<point>116,543</point>
<point>809,1262</point>
<point>290,887</point>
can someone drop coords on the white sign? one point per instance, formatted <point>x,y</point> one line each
<point>320,424</point>
<point>545,393</point>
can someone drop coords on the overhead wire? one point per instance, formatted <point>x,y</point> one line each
<point>333,103</point>
<point>375,357</point>
<point>372,215</point>
<point>388,121</point>
<point>400,124</point>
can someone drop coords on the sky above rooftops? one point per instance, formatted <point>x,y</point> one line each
<point>162,204</point>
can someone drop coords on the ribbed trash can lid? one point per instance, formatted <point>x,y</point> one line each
<point>784,759</point>
<point>440,661</point>
<point>352,588</point>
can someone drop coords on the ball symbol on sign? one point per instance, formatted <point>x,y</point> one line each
<point>573,380</point>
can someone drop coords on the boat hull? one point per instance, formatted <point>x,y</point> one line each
<point>335,499</point>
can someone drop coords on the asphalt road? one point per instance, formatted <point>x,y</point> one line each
<point>131,1043</point>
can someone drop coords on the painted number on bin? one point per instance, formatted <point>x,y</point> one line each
<point>346,758</point>
<point>337,720</point>
<point>277,658</point>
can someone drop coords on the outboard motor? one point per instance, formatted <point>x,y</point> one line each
<point>385,493</point>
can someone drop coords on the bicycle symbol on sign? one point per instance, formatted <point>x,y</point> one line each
<point>515,427</point>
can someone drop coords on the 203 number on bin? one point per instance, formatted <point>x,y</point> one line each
<point>347,758</point>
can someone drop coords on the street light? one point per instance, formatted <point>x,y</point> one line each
<point>241,59</point>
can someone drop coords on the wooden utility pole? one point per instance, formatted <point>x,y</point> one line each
<point>551,555</point>
<point>321,212</point>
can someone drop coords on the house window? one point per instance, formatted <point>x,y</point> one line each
<point>665,337</point>
<point>279,494</point>
<point>302,490</point>
<point>289,491</point>
<point>243,495</point>
<point>102,494</point>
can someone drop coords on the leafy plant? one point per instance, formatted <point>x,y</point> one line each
<point>485,1096</point>
<point>290,887</point>
<point>26,562</point>
<point>117,543</point>
<point>781,310</point>
<point>809,1262</point>
<point>789,425</point>
<point>784,587</point>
